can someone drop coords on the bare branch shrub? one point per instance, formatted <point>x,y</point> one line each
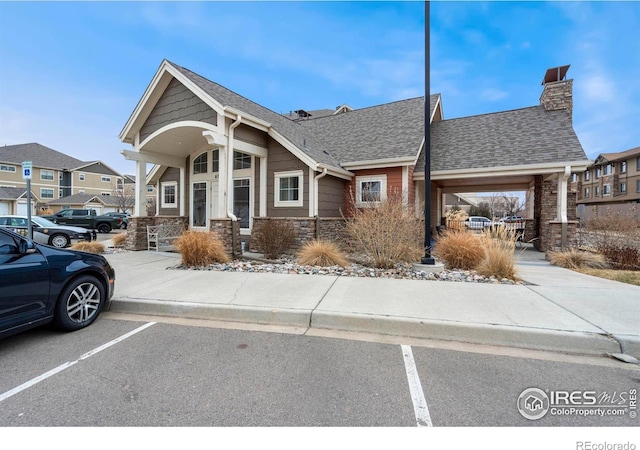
<point>322,253</point>
<point>274,237</point>
<point>201,248</point>
<point>617,237</point>
<point>388,232</point>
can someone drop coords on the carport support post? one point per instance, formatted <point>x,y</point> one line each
<point>427,258</point>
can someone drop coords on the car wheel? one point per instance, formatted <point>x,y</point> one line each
<point>79,304</point>
<point>104,228</point>
<point>60,240</point>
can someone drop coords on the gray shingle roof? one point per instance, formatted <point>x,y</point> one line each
<point>11,193</point>
<point>305,140</point>
<point>392,130</point>
<point>81,199</point>
<point>39,155</point>
<point>509,138</point>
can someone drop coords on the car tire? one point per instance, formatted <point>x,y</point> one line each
<point>79,303</point>
<point>104,228</point>
<point>60,240</point>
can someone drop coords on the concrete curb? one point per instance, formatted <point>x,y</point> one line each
<point>228,313</point>
<point>500,335</point>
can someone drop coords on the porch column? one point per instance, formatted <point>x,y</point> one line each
<point>140,207</point>
<point>562,203</point>
<point>183,193</point>
<point>263,187</point>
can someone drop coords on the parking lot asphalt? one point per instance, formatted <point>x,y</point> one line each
<point>557,310</point>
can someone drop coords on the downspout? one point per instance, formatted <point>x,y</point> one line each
<point>315,190</point>
<point>315,200</point>
<point>230,168</point>
<point>562,204</point>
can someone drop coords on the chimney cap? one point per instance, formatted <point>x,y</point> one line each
<point>555,74</point>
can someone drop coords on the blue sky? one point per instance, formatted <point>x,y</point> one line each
<point>71,73</point>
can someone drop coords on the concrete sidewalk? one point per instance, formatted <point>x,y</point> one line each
<point>559,310</point>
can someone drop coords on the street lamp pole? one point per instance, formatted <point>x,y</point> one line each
<point>427,258</point>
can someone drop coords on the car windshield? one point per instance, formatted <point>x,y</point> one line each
<point>42,222</point>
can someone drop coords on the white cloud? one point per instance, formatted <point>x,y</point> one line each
<point>493,94</point>
<point>597,87</point>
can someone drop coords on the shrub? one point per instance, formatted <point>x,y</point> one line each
<point>89,247</point>
<point>201,248</point>
<point>118,239</point>
<point>617,237</point>
<point>322,253</point>
<point>388,232</point>
<point>578,259</point>
<point>274,237</point>
<point>459,249</point>
<point>499,260</point>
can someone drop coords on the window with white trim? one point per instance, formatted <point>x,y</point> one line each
<point>623,187</point>
<point>587,175</point>
<point>638,186</point>
<point>200,163</point>
<point>169,194</point>
<point>46,174</point>
<point>371,189</point>
<point>623,167</point>
<point>6,168</point>
<point>288,188</point>
<point>606,189</point>
<point>587,192</point>
<point>597,191</point>
<point>215,161</point>
<point>106,179</point>
<point>81,177</point>
<point>607,169</point>
<point>46,193</point>
<point>241,161</point>
<point>598,171</point>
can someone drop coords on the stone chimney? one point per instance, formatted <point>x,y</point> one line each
<point>558,91</point>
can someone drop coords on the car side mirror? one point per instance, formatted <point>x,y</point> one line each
<point>25,246</point>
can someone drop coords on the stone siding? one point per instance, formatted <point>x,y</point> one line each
<point>137,229</point>
<point>308,228</point>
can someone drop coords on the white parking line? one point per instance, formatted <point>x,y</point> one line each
<point>66,365</point>
<point>420,408</point>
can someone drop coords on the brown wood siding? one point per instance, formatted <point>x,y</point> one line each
<point>171,174</point>
<point>411,195</point>
<point>251,135</point>
<point>281,160</point>
<point>330,196</point>
<point>177,103</point>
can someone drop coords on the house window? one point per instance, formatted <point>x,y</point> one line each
<point>638,186</point>
<point>607,169</point>
<point>200,163</point>
<point>169,194</point>
<point>587,175</point>
<point>597,191</point>
<point>241,201</point>
<point>288,188</point>
<point>215,161</point>
<point>598,172</point>
<point>105,193</point>
<point>587,192</point>
<point>6,168</point>
<point>638,163</point>
<point>606,189</point>
<point>241,161</point>
<point>106,179</point>
<point>574,177</point>
<point>46,193</point>
<point>623,167</point>
<point>81,191</point>
<point>371,189</point>
<point>150,188</point>
<point>623,187</point>
<point>46,175</point>
<point>199,213</point>
<point>81,177</point>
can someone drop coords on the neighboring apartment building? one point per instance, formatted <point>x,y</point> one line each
<point>54,176</point>
<point>613,182</point>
